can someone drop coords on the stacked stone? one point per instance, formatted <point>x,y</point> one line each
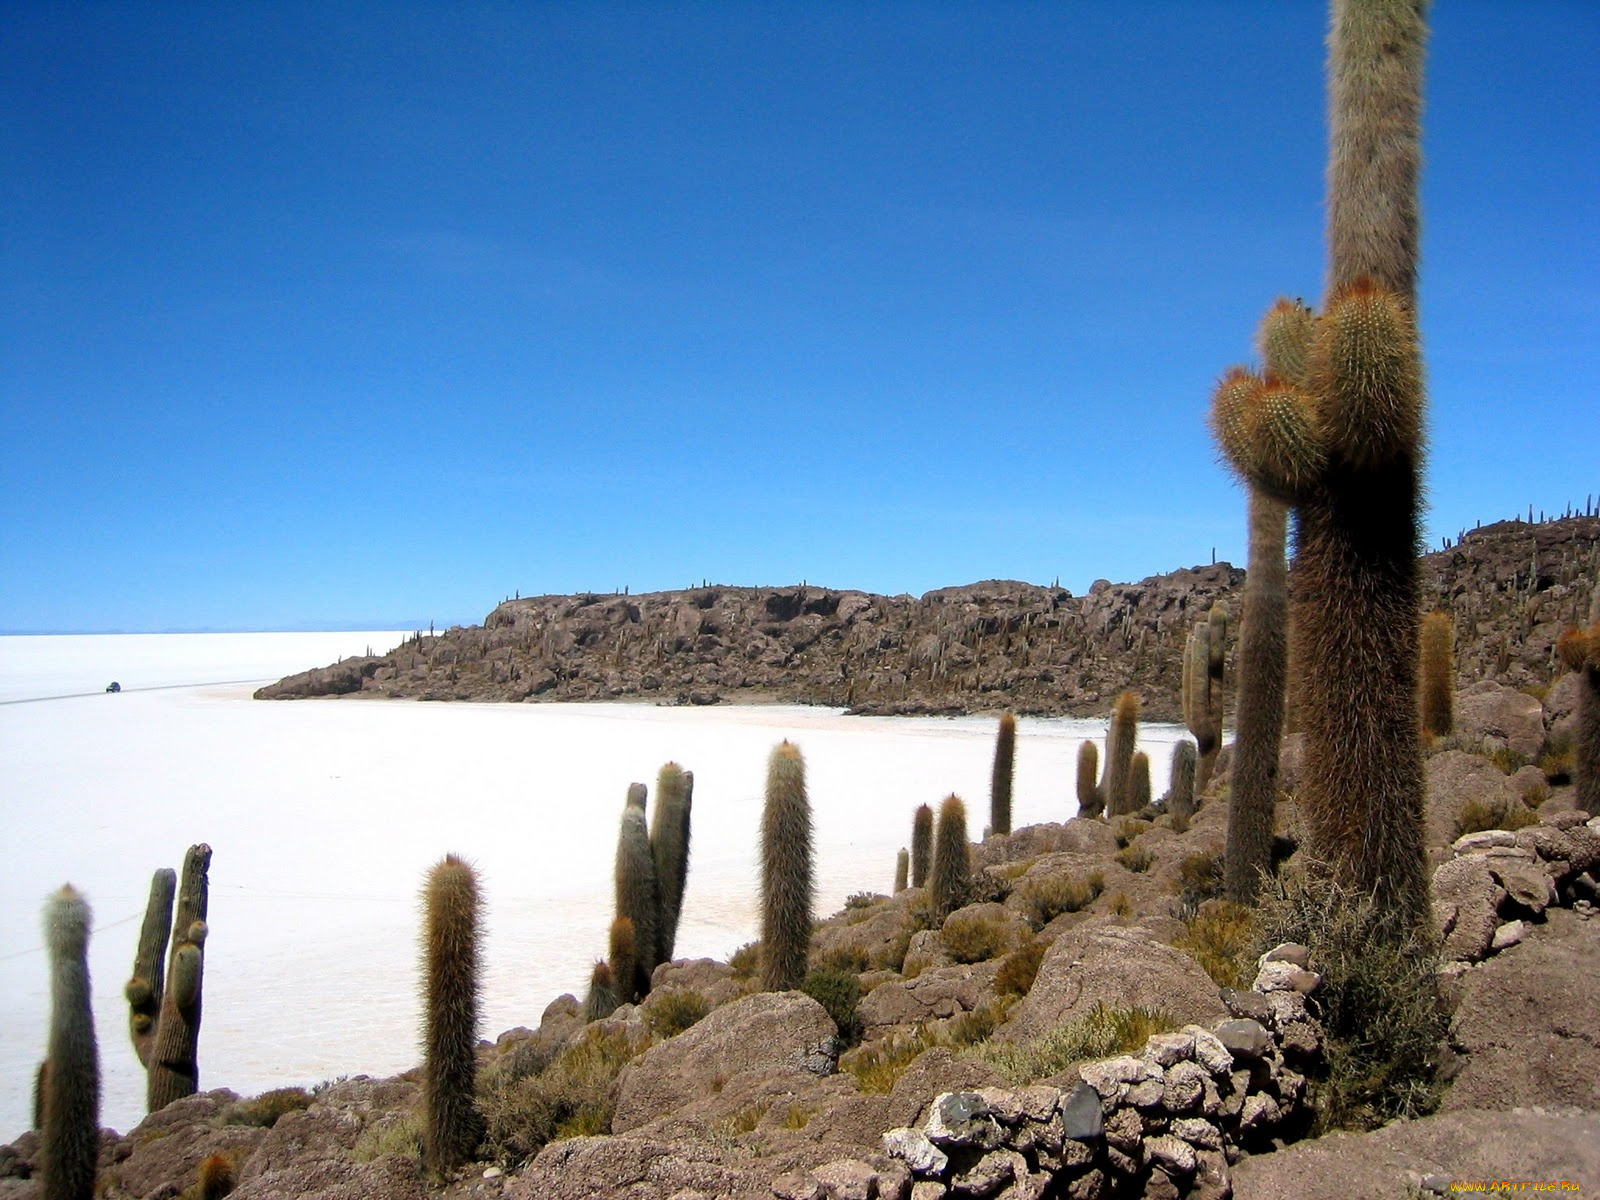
<point>1498,880</point>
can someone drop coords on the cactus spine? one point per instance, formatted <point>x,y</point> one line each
<point>1580,651</point>
<point>1005,752</point>
<point>921,845</point>
<point>1346,451</point>
<point>1090,802</point>
<point>952,866</point>
<point>1263,652</point>
<point>69,1144</point>
<point>902,870</point>
<point>174,1067</point>
<point>1438,674</point>
<point>1180,792</point>
<point>669,847</point>
<point>786,873</point>
<point>452,921</point>
<point>638,894</point>
<point>1120,740</point>
<point>144,989</point>
<point>1204,655</point>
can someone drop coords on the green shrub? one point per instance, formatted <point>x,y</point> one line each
<point>1100,1033</point>
<point>266,1108</point>
<point>1508,760</point>
<point>1020,968</point>
<point>974,1026</point>
<point>1378,1002</point>
<point>1477,816</point>
<point>861,900</point>
<point>1200,878</point>
<point>1045,899</point>
<point>877,1067</point>
<point>672,1013</point>
<point>1129,829</point>
<point>847,958</point>
<point>1221,937</point>
<point>1121,906</point>
<point>746,961</point>
<point>390,1133</point>
<point>1134,858</point>
<point>1560,758</point>
<point>839,992</point>
<point>975,937</point>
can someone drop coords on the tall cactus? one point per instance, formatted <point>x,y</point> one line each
<point>1005,753</point>
<point>452,923</point>
<point>638,893</point>
<point>921,845</point>
<point>902,870</point>
<point>174,1067</point>
<point>69,1145</point>
<point>1580,651</point>
<point>1345,450</point>
<point>1438,664</point>
<point>786,874</point>
<point>1091,802</point>
<point>669,847</point>
<point>1121,738</point>
<point>1180,792</point>
<point>951,881</point>
<point>1263,649</point>
<point>1139,782</point>
<point>145,987</point>
<point>1205,654</point>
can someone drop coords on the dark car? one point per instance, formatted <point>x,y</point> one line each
<point>113,686</point>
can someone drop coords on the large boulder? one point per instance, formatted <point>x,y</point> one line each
<point>1455,780</point>
<point>1466,908</point>
<point>629,1168</point>
<point>1493,715</point>
<point>772,1033</point>
<point>1119,966</point>
<point>934,995</point>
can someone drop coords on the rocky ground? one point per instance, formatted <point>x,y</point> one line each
<point>968,1081</point>
<point>1511,587</point>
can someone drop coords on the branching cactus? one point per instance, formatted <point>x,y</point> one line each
<point>1005,753</point>
<point>148,982</point>
<point>921,845</point>
<point>174,1067</point>
<point>787,884</point>
<point>1091,802</point>
<point>1121,738</point>
<point>638,894</point>
<point>951,881</point>
<point>452,924</point>
<point>1343,446</point>
<point>1205,654</point>
<point>1438,674</point>
<point>669,847</point>
<point>1580,651</point>
<point>69,1145</point>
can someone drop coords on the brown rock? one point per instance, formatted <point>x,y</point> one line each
<point>932,996</point>
<point>628,1168</point>
<point>1466,905</point>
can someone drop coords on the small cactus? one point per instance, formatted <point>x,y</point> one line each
<point>69,1141</point>
<point>1091,803</point>
<point>638,894</point>
<point>669,847</point>
<point>951,881</point>
<point>1005,752</point>
<point>902,869</point>
<point>1180,792</point>
<point>622,950</point>
<point>1139,782</point>
<point>786,872</point>
<point>1121,737</point>
<point>1204,656</point>
<point>921,845</point>
<point>174,1067</point>
<point>216,1177</point>
<point>1438,664</point>
<point>602,999</point>
<point>452,923</point>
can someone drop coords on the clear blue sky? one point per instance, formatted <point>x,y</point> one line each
<point>326,313</point>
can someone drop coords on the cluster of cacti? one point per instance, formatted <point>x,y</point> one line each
<point>787,884</point>
<point>69,1091</point>
<point>164,1013</point>
<point>452,921</point>
<point>902,870</point>
<point>921,845</point>
<point>1334,429</point>
<point>1580,651</point>
<point>1263,652</point>
<point>1438,667</point>
<point>1179,800</point>
<point>1005,751</point>
<point>1205,654</point>
<point>1091,803</point>
<point>1116,786</point>
<point>951,880</point>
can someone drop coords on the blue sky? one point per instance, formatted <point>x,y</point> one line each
<point>328,313</point>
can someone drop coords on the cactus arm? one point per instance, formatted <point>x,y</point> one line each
<point>145,986</point>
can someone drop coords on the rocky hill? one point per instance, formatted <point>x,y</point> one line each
<point>1512,586</point>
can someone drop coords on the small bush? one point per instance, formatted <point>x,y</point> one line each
<point>877,1067</point>
<point>1020,968</point>
<point>1121,906</point>
<point>746,961</point>
<point>974,1026</point>
<point>675,1011</point>
<point>1200,878</point>
<point>1477,816</point>
<point>1508,760</point>
<point>861,900</point>
<point>1135,858</point>
<point>1221,937</point>
<point>1560,758</point>
<point>1099,1033</point>
<point>1128,829</point>
<point>1378,1002</point>
<point>797,1117</point>
<point>1536,793</point>
<point>390,1133</point>
<point>266,1108</point>
<point>847,958</point>
<point>975,937</point>
<point>839,992</point>
<point>745,1120</point>
<point>1043,900</point>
